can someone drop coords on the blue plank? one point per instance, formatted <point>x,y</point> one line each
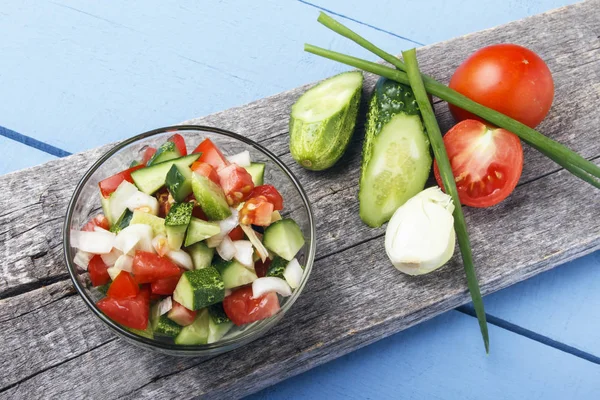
<point>16,156</point>
<point>442,359</point>
<point>82,74</point>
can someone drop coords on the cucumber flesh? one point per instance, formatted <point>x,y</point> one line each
<point>199,230</point>
<point>199,288</point>
<point>195,333</point>
<point>167,151</point>
<point>217,331</point>
<point>176,222</point>
<point>235,274</point>
<point>162,325</point>
<point>123,221</point>
<point>284,238</point>
<point>156,223</point>
<point>201,254</point>
<point>211,198</point>
<point>257,172</point>
<point>105,201</point>
<point>152,178</point>
<point>179,182</point>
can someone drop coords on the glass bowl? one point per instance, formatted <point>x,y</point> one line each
<point>85,204</point>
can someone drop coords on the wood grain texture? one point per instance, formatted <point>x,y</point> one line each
<point>551,217</point>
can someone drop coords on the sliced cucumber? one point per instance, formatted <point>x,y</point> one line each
<point>162,325</point>
<point>257,171</point>
<point>217,313</point>
<point>179,182</point>
<point>201,254</point>
<point>211,198</point>
<point>156,223</point>
<point>152,178</point>
<point>199,230</point>
<point>217,331</point>
<point>323,120</point>
<point>234,274</point>
<point>123,221</point>
<point>284,238</point>
<point>277,267</point>
<point>199,288</point>
<point>176,223</point>
<point>147,333</point>
<point>167,151</point>
<point>195,333</point>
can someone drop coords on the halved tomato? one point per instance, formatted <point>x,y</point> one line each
<point>270,193</point>
<point>242,308</point>
<point>98,271</point>
<point>149,267</point>
<point>98,221</point>
<point>123,287</point>
<point>236,183</point>
<point>147,154</point>
<point>237,233</point>
<point>256,211</point>
<point>110,184</point>
<point>179,142</point>
<point>211,154</point>
<point>205,169</point>
<point>130,312</point>
<point>181,315</point>
<point>165,286</point>
<point>486,162</point>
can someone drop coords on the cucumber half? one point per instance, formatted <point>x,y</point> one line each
<point>323,120</point>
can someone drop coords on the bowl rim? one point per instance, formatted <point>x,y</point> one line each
<point>259,327</point>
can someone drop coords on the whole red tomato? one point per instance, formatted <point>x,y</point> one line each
<point>508,78</point>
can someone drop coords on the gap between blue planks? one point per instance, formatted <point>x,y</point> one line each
<point>31,142</point>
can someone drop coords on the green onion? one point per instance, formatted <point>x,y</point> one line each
<point>439,151</point>
<point>560,154</point>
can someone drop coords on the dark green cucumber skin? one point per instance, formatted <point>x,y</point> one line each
<point>217,313</point>
<point>167,151</point>
<point>175,182</point>
<point>317,147</point>
<point>277,267</point>
<point>122,222</point>
<point>209,285</point>
<point>166,327</point>
<point>179,214</point>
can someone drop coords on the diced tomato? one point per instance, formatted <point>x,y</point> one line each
<point>261,267</point>
<point>98,221</point>
<point>270,193</point>
<point>123,287</point>
<point>242,308</point>
<point>256,211</point>
<point>237,233</point>
<point>149,267</point>
<point>165,286</point>
<point>236,183</point>
<point>110,184</point>
<point>98,271</point>
<point>181,315</point>
<point>211,154</point>
<point>198,213</point>
<point>205,169</point>
<point>164,202</point>
<point>148,153</point>
<point>131,312</point>
<point>179,142</point>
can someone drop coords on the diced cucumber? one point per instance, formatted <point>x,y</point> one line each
<point>211,198</point>
<point>167,151</point>
<point>201,254</point>
<point>147,333</point>
<point>217,313</point>
<point>217,331</point>
<point>123,221</point>
<point>103,289</point>
<point>284,238</point>
<point>195,333</point>
<point>176,223</point>
<point>162,325</point>
<point>277,267</point>
<point>199,230</point>
<point>105,201</point>
<point>156,223</point>
<point>179,182</point>
<point>152,178</point>
<point>234,274</point>
<point>257,171</point>
<point>199,288</point>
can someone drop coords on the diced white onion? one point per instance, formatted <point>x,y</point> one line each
<point>253,237</point>
<point>293,273</point>
<point>242,159</point>
<point>113,272</point>
<point>125,263</point>
<point>97,242</point>
<point>161,245</point>
<point>244,252</point>
<point>228,292</point>
<point>181,258</point>
<point>142,201</point>
<point>135,237</point>
<point>119,199</point>
<point>110,258</point>
<point>226,249</point>
<point>165,306</point>
<point>82,259</point>
<point>226,226</point>
<point>270,284</point>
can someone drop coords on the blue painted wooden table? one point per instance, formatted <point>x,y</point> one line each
<point>75,75</point>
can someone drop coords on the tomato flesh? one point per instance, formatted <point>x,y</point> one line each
<point>181,315</point>
<point>211,154</point>
<point>508,78</point>
<point>242,308</point>
<point>256,211</point>
<point>110,184</point>
<point>261,267</point>
<point>205,169</point>
<point>123,287</point>
<point>273,196</point>
<point>98,221</point>
<point>98,271</point>
<point>165,286</point>
<point>486,162</point>
<point>149,267</point>
<point>148,153</point>
<point>130,312</point>
<point>179,142</point>
<point>236,183</point>
<point>237,233</point>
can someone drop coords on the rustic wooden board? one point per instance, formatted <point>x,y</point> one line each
<point>354,296</point>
